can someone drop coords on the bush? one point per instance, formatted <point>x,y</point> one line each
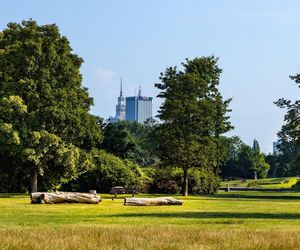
<point>166,180</point>
<point>203,182</point>
<point>108,171</point>
<point>253,184</point>
<point>200,182</point>
<point>296,186</point>
<point>165,186</point>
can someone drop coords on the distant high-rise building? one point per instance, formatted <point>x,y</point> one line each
<point>138,108</point>
<point>120,107</point>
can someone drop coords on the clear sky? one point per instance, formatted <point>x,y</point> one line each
<point>257,43</point>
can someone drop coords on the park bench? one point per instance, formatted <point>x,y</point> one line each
<point>121,190</point>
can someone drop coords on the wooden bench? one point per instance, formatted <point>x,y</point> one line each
<point>121,190</point>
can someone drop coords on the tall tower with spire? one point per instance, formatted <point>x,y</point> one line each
<point>121,107</point>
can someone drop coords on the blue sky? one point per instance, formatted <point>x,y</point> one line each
<point>257,43</point>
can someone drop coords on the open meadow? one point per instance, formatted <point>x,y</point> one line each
<point>235,220</point>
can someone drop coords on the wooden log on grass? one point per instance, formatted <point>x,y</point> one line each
<point>152,201</point>
<point>61,197</point>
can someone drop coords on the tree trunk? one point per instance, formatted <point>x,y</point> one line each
<point>151,201</point>
<point>185,181</point>
<point>33,178</point>
<point>61,197</point>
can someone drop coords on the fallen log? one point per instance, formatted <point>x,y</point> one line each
<point>151,201</point>
<point>61,197</point>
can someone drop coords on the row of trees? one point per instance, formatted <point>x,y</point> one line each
<point>243,161</point>
<point>48,134</point>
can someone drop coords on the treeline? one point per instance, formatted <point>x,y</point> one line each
<point>50,141</point>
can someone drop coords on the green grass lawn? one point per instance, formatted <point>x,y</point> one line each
<point>278,183</point>
<point>234,220</point>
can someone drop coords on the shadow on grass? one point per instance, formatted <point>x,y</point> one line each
<point>12,195</point>
<point>209,215</point>
<point>255,196</point>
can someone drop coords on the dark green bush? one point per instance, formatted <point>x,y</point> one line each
<point>296,186</point>
<point>203,182</point>
<point>165,186</point>
<point>108,171</point>
<point>166,180</point>
<point>200,182</point>
<point>253,184</point>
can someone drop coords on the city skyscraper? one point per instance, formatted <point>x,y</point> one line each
<point>138,108</point>
<point>120,107</point>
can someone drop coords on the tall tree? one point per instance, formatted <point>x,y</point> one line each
<point>290,131</point>
<point>193,115</point>
<point>44,114</point>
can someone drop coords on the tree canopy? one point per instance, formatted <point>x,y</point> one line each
<point>290,132</point>
<point>194,116</point>
<point>44,111</point>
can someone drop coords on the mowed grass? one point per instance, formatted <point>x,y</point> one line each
<point>277,183</point>
<point>235,220</point>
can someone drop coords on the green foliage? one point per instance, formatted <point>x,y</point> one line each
<point>107,171</point>
<point>169,180</point>
<point>203,182</point>
<point>193,115</point>
<point>243,161</point>
<point>118,140</point>
<point>259,164</point>
<point>131,140</point>
<point>165,180</point>
<point>44,111</point>
<point>284,163</point>
<point>290,133</point>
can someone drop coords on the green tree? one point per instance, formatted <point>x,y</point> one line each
<point>259,165</point>
<point>290,132</point>
<point>118,140</point>
<point>44,111</point>
<point>132,140</point>
<point>243,161</point>
<point>193,115</point>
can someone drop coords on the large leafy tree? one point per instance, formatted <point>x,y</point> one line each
<point>290,132</point>
<point>194,116</point>
<point>44,111</point>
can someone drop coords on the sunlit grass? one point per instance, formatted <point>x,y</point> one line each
<point>248,220</point>
<point>284,182</point>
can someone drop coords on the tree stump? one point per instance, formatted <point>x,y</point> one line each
<point>152,201</point>
<point>61,197</point>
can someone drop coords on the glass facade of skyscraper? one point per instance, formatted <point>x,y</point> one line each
<point>138,108</point>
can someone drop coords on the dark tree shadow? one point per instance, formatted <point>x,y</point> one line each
<point>210,215</point>
<point>255,196</point>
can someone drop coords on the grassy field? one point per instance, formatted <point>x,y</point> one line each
<point>245,220</point>
<point>278,183</point>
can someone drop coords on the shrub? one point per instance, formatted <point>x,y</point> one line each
<point>108,171</point>
<point>296,186</point>
<point>200,182</point>
<point>166,180</point>
<point>253,184</point>
<point>165,186</point>
<point>203,182</point>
